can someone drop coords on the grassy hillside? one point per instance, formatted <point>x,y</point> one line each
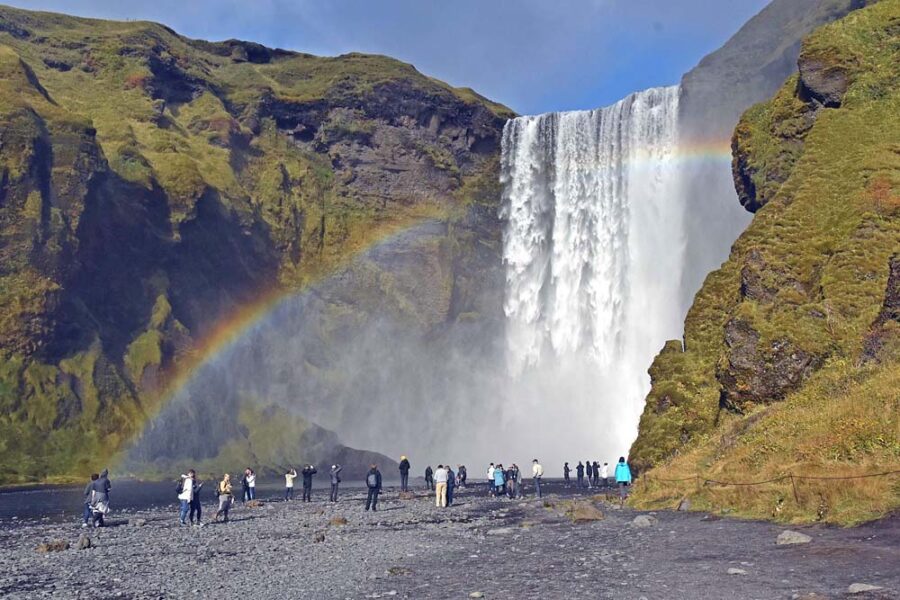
<point>791,357</point>
<point>151,185</point>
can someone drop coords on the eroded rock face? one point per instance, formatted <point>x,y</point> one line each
<point>751,374</point>
<point>821,81</point>
<point>885,332</point>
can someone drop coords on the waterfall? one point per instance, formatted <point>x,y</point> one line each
<point>593,248</point>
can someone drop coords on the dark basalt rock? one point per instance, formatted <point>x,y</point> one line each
<point>750,374</point>
<point>885,331</point>
<point>822,82</point>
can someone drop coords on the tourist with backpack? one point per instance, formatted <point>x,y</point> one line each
<point>404,474</point>
<point>226,498</point>
<point>623,479</point>
<point>88,489</point>
<point>308,472</point>
<point>335,480</point>
<point>373,483</point>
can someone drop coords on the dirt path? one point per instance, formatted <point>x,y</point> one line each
<point>409,549</point>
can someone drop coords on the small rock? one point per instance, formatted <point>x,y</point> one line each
<point>338,521</point>
<point>84,542</point>
<point>685,504</point>
<point>476,595</point>
<point>500,531</point>
<point>861,588</point>
<point>137,522</point>
<point>788,537</point>
<point>53,546</point>
<point>736,571</point>
<point>320,537</point>
<point>253,504</point>
<point>644,521</point>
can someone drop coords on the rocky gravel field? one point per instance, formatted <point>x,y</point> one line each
<point>565,546</point>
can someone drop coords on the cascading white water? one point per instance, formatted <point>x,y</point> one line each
<point>593,246</point>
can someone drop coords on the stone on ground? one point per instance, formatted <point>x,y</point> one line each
<point>862,588</point>
<point>736,571</point>
<point>53,546</point>
<point>788,537</point>
<point>645,521</point>
<point>84,542</point>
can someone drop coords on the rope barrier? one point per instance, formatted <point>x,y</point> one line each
<point>790,476</point>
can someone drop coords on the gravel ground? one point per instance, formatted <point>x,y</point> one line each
<point>410,549</point>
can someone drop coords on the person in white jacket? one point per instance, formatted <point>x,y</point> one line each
<point>187,494</point>
<point>537,471</point>
<point>440,486</point>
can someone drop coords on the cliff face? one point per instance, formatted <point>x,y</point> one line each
<point>790,355</point>
<point>749,68</point>
<point>150,185</point>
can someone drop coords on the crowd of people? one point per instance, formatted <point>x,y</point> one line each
<point>442,481</point>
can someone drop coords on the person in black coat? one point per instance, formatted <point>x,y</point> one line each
<point>373,483</point>
<point>579,472</point>
<point>566,471</point>
<point>308,472</point>
<point>404,474</point>
<point>429,477</point>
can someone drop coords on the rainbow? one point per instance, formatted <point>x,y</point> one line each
<point>232,328</point>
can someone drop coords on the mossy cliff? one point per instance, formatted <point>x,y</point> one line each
<point>151,184</point>
<point>790,361</point>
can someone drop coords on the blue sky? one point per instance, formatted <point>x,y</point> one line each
<point>533,55</point>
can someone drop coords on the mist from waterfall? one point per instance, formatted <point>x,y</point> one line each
<point>593,247</point>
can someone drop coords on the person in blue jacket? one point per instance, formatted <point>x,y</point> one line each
<point>499,480</point>
<point>623,479</point>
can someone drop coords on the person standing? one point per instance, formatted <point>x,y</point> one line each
<point>590,474</point>
<point>604,475</point>
<point>404,474</point>
<point>251,483</point>
<point>462,475</point>
<point>537,472</point>
<point>308,472</point>
<point>373,483</point>
<point>100,497</point>
<point>245,485</point>
<point>88,489</point>
<point>440,486</point>
<point>196,507</point>
<point>499,482</point>
<point>566,471</point>
<point>623,479</point>
<point>511,481</point>
<point>429,478</point>
<point>491,480</point>
<point>579,471</point>
<point>226,498</point>
<point>451,484</point>
<point>335,480</point>
<point>596,473</point>
<point>186,495</point>
<point>289,484</point>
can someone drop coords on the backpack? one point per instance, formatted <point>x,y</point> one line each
<point>179,487</point>
<point>372,480</point>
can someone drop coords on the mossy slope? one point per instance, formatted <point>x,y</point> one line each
<point>790,360</point>
<point>150,185</point>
